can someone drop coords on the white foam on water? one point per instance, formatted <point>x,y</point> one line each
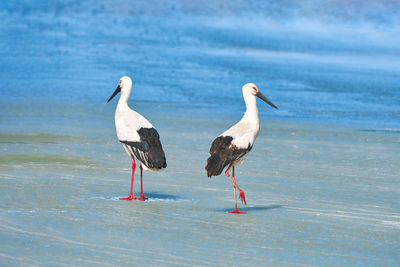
<point>150,199</point>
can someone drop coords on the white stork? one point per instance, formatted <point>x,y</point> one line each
<point>233,145</point>
<point>137,135</point>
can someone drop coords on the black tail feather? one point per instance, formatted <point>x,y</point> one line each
<point>157,157</point>
<point>215,165</point>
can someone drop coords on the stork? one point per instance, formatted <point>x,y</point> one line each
<point>233,145</point>
<point>138,136</point>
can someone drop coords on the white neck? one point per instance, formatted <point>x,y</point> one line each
<point>251,113</point>
<point>123,99</point>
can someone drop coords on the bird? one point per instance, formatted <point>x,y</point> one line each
<point>138,137</point>
<point>232,146</point>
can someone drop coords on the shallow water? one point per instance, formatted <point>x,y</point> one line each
<point>317,195</point>
<point>321,182</point>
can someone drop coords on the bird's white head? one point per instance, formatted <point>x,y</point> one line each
<point>250,91</point>
<point>125,83</point>
<point>124,86</point>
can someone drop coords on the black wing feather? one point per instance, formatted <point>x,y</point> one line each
<point>223,153</point>
<point>149,149</point>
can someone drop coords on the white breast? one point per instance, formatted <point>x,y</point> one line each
<point>128,122</point>
<point>244,133</point>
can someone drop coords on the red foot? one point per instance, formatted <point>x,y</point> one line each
<point>142,198</point>
<point>128,198</point>
<point>242,197</point>
<point>237,211</point>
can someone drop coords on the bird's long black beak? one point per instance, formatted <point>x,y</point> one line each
<point>261,96</point>
<point>115,93</point>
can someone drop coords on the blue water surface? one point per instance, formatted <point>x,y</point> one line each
<point>311,63</point>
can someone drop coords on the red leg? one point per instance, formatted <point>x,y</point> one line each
<point>133,175</point>
<point>141,198</point>
<point>241,196</point>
